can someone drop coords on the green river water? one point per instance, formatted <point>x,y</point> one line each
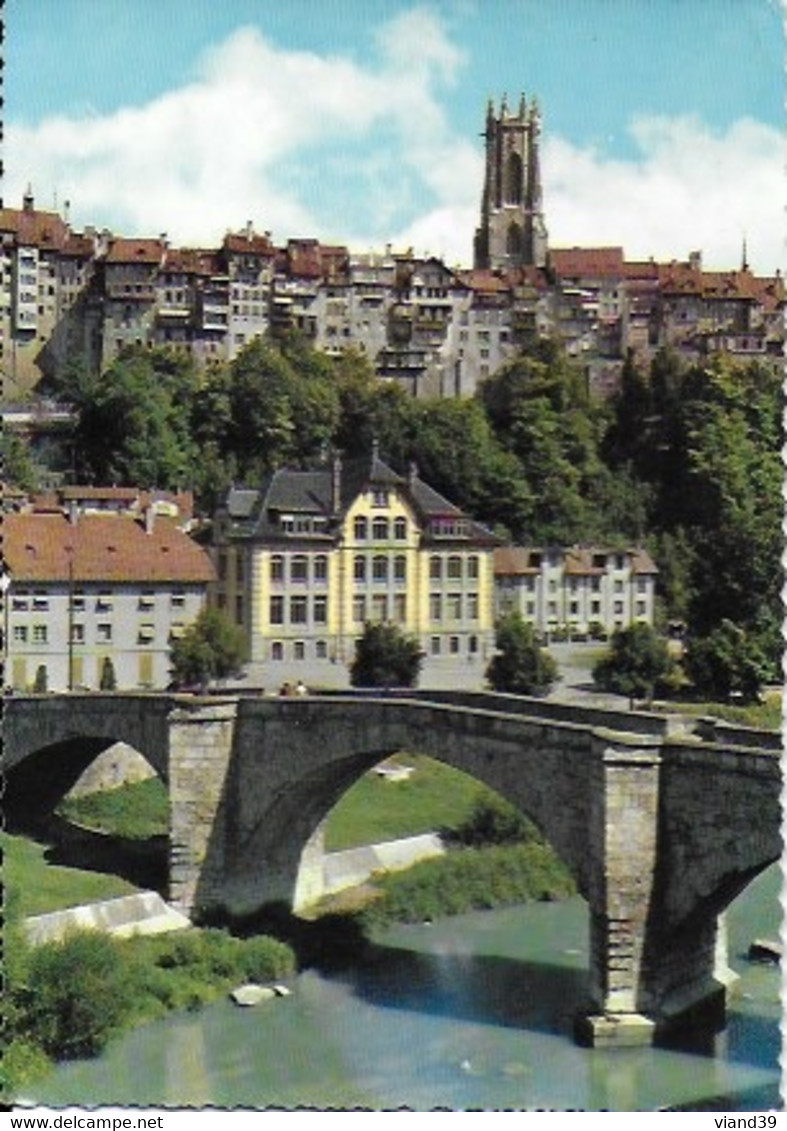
<point>470,1012</point>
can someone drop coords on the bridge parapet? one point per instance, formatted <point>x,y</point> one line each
<point>634,722</point>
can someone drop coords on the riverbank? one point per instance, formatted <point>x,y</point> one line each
<point>467,1013</point>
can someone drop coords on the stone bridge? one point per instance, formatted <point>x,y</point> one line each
<point>661,823</point>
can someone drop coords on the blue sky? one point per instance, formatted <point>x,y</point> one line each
<point>358,120</point>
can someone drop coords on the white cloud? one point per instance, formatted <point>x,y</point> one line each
<point>311,145</point>
<point>690,189</point>
<point>212,154</point>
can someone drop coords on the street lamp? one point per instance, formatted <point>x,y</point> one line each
<point>5,585</point>
<point>70,618</point>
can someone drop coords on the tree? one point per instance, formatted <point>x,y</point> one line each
<point>386,657</point>
<point>133,426</point>
<point>521,666</point>
<point>16,462</point>
<point>728,661</point>
<point>284,405</point>
<point>636,661</point>
<point>78,994</point>
<point>211,648</point>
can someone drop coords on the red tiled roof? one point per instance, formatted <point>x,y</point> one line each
<point>32,228</point>
<point>647,269</point>
<point>577,560</point>
<point>136,251</point>
<point>249,244</point>
<point>79,246</point>
<point>513,560</point>
<point>101,548</point>
<point>127,493</point>
<point>587,262</point>
<point>483,280</point>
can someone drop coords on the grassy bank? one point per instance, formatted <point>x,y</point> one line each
<point>375,809</point>
<point>137,811</point>
<point>467,879</point>
<point>68,999</point>
<point>47,887</point>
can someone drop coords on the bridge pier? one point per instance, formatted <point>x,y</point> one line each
<point>623,841</point>
<point>646,978</point>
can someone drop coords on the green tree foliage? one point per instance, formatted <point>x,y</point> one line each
<point>211,648</point>
<point>284,405</point>
<point>707,440</point>
<point>78,995</point>
<point>636,661</point>
<point>727,662</point>
<point>18,469</point>
<point>133,425</point>
<point>493,821</point>
<point>386,657</point>
<point>540,410</point>
<point>521,666</point>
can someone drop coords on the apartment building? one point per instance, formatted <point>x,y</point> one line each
<point>434,329</point>
<point>306,559</point>
<point>94,581</point>
<point>575,592</point>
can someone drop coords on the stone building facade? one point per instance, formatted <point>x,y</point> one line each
<point>577,592</point>
<point>307,559</point>
<point>435,329</point>
<point>98,576</point>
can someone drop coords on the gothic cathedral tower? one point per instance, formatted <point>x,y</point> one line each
<point>512,231</point>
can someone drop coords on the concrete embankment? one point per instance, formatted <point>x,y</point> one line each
<point>146,913</point>
<point>353,866</point>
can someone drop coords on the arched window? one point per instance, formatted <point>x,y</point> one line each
<point>514,240</point>
<point>359,568</point>
<point>321,567</point>
<point>380,530</point>
<point>454,567</point>
<point>512,189</point>
<point>435,568</point>
<point>379,568</point>
<point>400,529</point>
<point>277,567</point>
<point>400,568</point>
<point>360,528</point>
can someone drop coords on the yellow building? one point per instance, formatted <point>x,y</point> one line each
<point>311,556</point>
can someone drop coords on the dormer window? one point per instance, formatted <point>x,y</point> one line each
<point>379,497</point>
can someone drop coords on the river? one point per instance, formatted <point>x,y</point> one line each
<point>470,1012</point>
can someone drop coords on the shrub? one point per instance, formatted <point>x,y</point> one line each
<point>493,821</point>
<point>521,666</point>
<point>385,657</point>
<point>265,959</point>
<point>78,994</point>
<point>472,879</point>
<point>635,664</point>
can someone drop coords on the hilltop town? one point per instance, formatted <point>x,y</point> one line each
<point>378,437</point>
<point>435,328</point>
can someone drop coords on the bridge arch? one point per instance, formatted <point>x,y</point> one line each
<point>302,760</point>
<point>48,748</point>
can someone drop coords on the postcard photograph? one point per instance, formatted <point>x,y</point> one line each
<point>391,561</point>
